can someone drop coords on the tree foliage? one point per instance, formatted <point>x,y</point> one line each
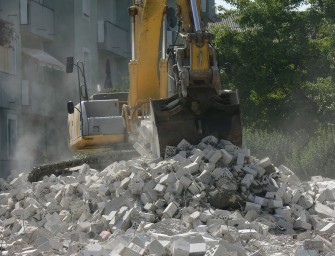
<point>282,61</point>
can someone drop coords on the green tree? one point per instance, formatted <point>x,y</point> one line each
<point>276,56</point>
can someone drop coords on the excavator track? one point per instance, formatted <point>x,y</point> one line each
<point>98,161</point>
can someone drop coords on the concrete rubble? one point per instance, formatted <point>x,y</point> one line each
<point>210,199</point>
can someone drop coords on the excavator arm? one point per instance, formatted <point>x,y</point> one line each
<point>200,108</point>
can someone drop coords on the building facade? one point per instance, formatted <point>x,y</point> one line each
<point>34,87</point>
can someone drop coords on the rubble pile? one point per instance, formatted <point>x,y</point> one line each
<point>210,199</point>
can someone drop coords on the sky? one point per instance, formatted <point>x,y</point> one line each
<point>223,3</point>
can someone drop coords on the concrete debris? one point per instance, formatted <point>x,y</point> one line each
<point>207,199</point>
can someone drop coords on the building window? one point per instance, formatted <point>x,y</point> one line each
<point>7,47</point>
<point>7,59</point>
<point>11,135</point>
<point>86,8</point>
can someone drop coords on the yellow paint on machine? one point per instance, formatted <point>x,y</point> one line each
<point>200,57</point>
<point>91,142</point>
<point>144,81</point>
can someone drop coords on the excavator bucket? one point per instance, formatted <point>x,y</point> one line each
<point>174,120</point>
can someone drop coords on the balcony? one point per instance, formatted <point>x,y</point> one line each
<point>37,19</point>
<point>113,38</point>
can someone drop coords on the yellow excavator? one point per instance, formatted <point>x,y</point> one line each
<point>197,108</point>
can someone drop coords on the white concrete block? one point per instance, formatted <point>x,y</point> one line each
<point>324,195</point>
<point>176,188</point>
<point>153,194</point>
<point>260,228</point>
<point>201,145</point>
<point>209,153</point>
<point>168,178</point>
<point>180,248</point>
<point>217,250</point>
<point>194,216</point>
<point>284,224</point>
<point>287,196</point>
<point>215,156</point>
<point>210,140</point>
<point>84,226</point>
<point>198,160</point>
<point>296,194</point>
<point>125,182</point>
<point>8,221</point>
<point>218,173</point>
<point>160,203</point>
<point>124,222</point>
<point>184,145</point>
<point>136,186</point>
<point>305,235</point>
<point>265,162</point>
<point>132,250</point>
<point>238,223</point>
<point>227,173</point>
<point>180,173</point>
<point>170,152</point>
<point>194,189</point>
<point>226,157</point>
<point>227,184</point>
<point>248,234</point>
<point>196,154</point>
<point>275,203</point>
<point>328,229</point>
<point>251,206</point>
<point>261,201</point>
<point>149,217</point>
<point>251,215</point>
<point>156,248</point>
<point>192,168</point>
<point>186,182</point>
<point>249,170</point>
<point>260,170</point>
<point>247,180</point>
<point>149,207</point>
<point>170,210</point>
<point>284,212</point>
<point>306,201</point>
<point>160,188</point>
<point>205,215</point>
<point>240,159</point>
<point>158,178</point>
<point>296,209</point>
<point>197,249</point>
<point>273,195</point>
<point>313,244</point>
<point>207,166</point>
<point>204,177</point>
<point>324,211</point>
<point>301,224</point>
<point>145,198</point>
